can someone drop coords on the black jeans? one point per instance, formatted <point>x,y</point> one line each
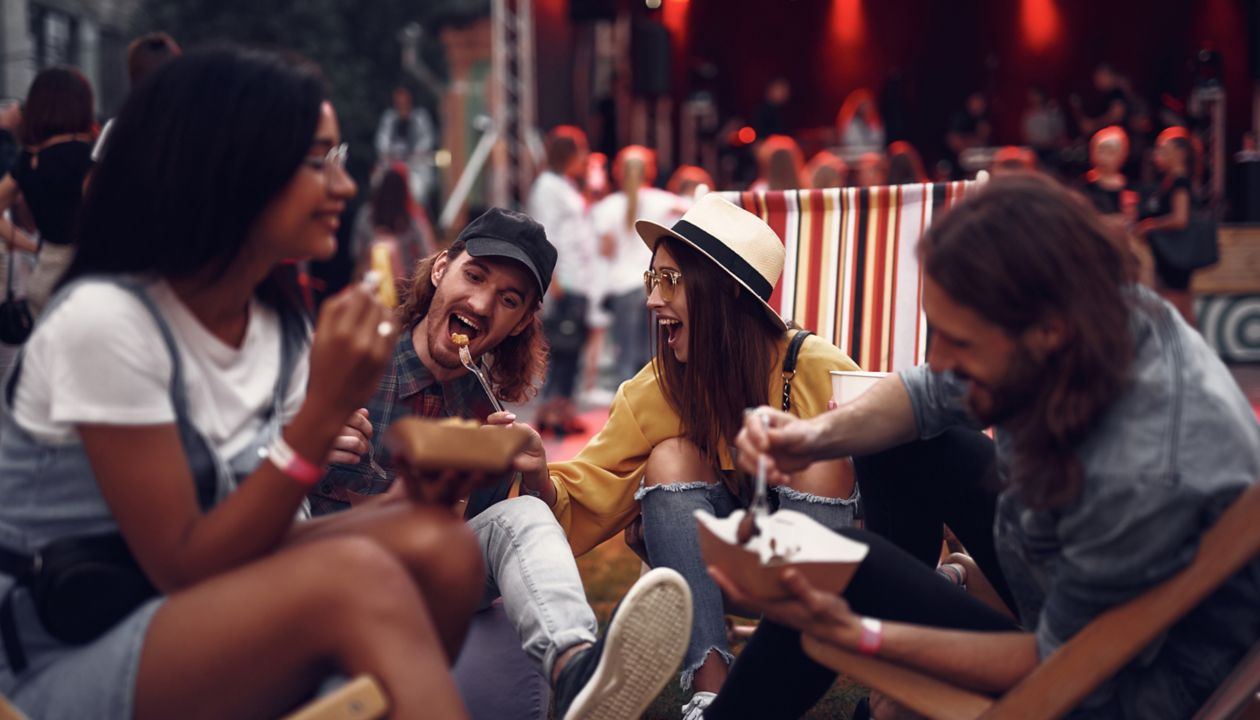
<point>909,491</point>
<point>566,330</point>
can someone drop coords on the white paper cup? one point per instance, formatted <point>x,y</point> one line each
<point>847,385</point>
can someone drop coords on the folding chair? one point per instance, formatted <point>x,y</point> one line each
<point>1094,654</point>
<point>360,699</point>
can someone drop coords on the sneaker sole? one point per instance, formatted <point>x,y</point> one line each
<point>642,651</point>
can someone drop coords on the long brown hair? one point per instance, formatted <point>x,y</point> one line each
<point>1022,250</point>
<point>731,355</point>
<point>519,363</point>
<point>634,167</point>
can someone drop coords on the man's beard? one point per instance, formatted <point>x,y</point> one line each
<point>1015,392</point>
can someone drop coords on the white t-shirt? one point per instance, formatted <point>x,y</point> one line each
<point>557,205</point>
<point>99,357</point>
<point>625,269</point>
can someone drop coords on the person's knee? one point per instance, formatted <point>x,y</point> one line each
<point>677,460</point>
<point>442,550</point>
<point>337,570</point>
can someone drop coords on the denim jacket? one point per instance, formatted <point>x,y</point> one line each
<point>1170,454</point>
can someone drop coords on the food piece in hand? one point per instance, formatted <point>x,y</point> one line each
<point>460,339</point>
<point>747,529</point>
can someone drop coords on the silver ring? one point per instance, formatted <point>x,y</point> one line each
<point>385,328</point>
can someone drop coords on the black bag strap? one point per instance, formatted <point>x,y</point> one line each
<point>10,259</point>
<point>789,366</point>
<point>14,653</point>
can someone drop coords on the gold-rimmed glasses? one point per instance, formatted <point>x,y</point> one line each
<point>666,279</point>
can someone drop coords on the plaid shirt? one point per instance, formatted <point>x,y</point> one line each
<point>408,388</point>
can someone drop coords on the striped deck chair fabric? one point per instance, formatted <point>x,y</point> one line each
<point>851,274</point>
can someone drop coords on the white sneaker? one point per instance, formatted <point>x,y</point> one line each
<point>623,672</point>
<point>694,710</point>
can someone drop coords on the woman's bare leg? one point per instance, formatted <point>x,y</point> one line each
<point>256,641</point>
<point>420,538</point>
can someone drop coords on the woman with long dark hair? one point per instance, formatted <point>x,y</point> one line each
<point>172,359</point>
<point>58,129</point>
<point>665,449</point>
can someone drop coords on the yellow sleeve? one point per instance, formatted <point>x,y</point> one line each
<point>595,490</point>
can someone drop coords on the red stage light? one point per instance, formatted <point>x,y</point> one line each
<point>848,21</point>
<point>747,135</point>
<point>1041,24</point>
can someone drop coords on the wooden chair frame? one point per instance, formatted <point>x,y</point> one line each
<point>1094,654</point>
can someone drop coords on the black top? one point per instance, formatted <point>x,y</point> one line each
<point>1159,202</point>
<point>1105,201</point>
<point>54,187</point>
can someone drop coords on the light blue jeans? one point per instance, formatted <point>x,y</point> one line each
<point>669,531</point>
<point>530,565</point>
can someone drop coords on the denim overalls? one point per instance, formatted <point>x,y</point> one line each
<point>48,492</point>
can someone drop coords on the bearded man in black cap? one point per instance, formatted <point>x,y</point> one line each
<point>488,287</point>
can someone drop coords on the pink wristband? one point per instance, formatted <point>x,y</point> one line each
<point>872,636</point>
<point>301,470</point>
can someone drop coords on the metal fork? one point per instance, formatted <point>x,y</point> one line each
<point>466,357</point>
<point>759,508</point>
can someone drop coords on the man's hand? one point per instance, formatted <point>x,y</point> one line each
<point>814,612</point>
<point>788,444</point>
<point>353,442</point>
<point>531,461</point>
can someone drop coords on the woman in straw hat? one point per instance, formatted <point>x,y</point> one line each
<point>665,448</point>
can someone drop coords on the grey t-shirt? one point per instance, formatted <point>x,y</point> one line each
<point>1165,460</point>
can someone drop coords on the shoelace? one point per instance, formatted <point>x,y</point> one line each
<point>694,710</point>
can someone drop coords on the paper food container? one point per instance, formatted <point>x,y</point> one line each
<point>847,385</point>
<point>787,539</point>
<point>427,444</point>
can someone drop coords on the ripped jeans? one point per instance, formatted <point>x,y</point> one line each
<point>669,531</point>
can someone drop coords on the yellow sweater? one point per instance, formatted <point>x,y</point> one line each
<point>595,491</point>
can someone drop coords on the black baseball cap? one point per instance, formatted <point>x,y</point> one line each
<point>513,235</point>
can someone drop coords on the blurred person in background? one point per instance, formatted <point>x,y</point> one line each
<point>779,164</point>
<point>858,124</point>
<point>968,128</point>
<point>10,122</point>
<point>391,234</point>
<point>557,203</point>
<point>770,117</point>
<point>1114,102</point>
<point>406,134</point>
<point>57,136</point>
<point>1106,183</point>
<point>825,170</point>
<point>1168,208</point>
<point>144,55</point>
<point>1012,159</point>
<point>634,171</point>
<point>871,170</point>
<point>1044,126</point>
<point>688,183</point>
<point>904,164</point>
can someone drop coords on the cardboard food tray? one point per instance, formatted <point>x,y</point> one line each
<point>826,559</point>
<point>427,444</point>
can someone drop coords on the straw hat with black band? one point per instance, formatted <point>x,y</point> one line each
<point>733,238</point>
